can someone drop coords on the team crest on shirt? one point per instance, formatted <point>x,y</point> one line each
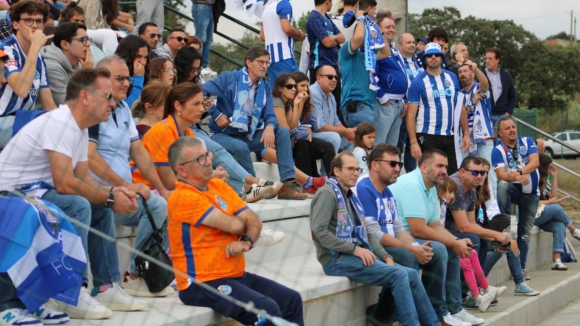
<point>222,203</point>
<point>37,75</point>
<point>447,82</point>
<point>342,227</point>
<point>11,63</point>
<point>225,289</point>
<point>523,150</point>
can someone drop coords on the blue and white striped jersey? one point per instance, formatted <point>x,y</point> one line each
<point>279,45</point>
<point>517,158</point>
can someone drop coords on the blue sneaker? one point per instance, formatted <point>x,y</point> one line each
<point>50,317</point>
<point>524,289</point>
<point>18,317</point>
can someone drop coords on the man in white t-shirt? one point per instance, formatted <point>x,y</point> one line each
<point>47,159</point>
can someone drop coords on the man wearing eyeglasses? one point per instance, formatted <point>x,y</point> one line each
<point>344,247</point>
<point>69,52</point>
<point>150,33</point>
<point>25,69</point>
<point>110,143</point>
<point>176,39</point>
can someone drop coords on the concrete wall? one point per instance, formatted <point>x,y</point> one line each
<point>400,9</point>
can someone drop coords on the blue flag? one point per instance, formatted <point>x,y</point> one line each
<point>40,251</point>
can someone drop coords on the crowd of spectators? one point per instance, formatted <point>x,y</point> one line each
<point>103,119</point>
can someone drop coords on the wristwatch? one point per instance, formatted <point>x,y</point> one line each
<point>246,237</point>
<point>110,201</point>
<point>520,172</point>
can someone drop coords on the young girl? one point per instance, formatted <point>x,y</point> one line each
<point>472,271</point>
<point>364,139</point>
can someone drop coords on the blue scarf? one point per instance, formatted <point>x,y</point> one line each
<point>513,163</point>
<point>479,130</point>
<point>241,119</point>
<point>345,229</point>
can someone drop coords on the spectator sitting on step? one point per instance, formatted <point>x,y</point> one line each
<point>162,69</point>
<point>289,105</point>
<point>150,33</point>
<point>105,38</point>
<point>150,107</point>
<point>201,208</point>
<point>244,121</point>
<point>188,65</point>
<point>194,42</point>
<point>135,51</point>
<point>176,39</point>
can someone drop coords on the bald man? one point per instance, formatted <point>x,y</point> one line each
<point>386,12</point>
<point>541,144</point>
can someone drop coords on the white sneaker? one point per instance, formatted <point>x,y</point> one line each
<point>87,307</point>
<point>451,320</point>
<point>207,71</point>
<point>258,192</point>
<point>138,288</point>
<point>499,290</point>
<point>485,300</point>
<point>116,299</point>
<point>17,317</point>
<point>269,237</point>
<point>468,318</point>
<point>276,185</point>
<point>49,316</point>
<point>559,266</point>
<point>575,234</point>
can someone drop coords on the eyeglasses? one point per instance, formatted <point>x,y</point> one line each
<point>153,35</point>
<point>432,55</point>
<point>179,38</point>
<point>202,160</point>
<point>477,172</point>
<point>290,86</point>
<point>330,77</point>
<point>109,97</point>
<point>168,70</point>
<point>352,169</point>
<point>30,22</point>
<point>392,163</point>
<point>263,63</point>
<point>83,39</point>
<point>121,78</point>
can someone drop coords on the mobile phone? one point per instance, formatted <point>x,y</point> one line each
<point>473,245</point>
<point>210,98</point>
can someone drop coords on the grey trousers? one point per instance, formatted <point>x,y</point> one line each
<point>150,11</point>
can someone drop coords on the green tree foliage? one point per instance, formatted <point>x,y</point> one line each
<point>235,52</point>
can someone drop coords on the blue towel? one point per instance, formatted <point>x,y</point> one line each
<point>373,42</point>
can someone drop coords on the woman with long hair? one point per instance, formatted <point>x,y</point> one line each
<point>135,51</point>
<point>188,64</point>
<point>150,108</point>
<point>288,106</point>
<point>164,70</point>
<point>551,217</point>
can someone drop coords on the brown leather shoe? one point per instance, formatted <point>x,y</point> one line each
<point>289,192</point>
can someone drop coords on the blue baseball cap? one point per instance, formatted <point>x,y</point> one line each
<point>432,48</point>
<point>423,39</point>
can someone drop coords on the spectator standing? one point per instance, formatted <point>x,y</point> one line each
<point>421,42</point>
<point>348,5</point>
<point>436,35</point>
<point>503,91</point>
<point>432,109</point>
<point>150,11</point>
<point>176,39</point>
<point>150,33</point>
<point>203,21</point>
<point>280,37</point>
<point>516,162</point>
<point>25,71</point>
<point>68,52</point>
<point>135,51</point>
<point>459,56</point>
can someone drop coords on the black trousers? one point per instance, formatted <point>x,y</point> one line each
<point>306,153</point>
<point>444,143</point>
<point>498,223</point>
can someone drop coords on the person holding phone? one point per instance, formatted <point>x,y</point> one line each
<point>551,216</point>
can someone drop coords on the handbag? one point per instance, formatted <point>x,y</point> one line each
<point>156,277</point>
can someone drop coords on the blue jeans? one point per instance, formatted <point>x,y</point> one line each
<point>276,299</point>
<point>388,122</point>
<point>203,22</point>
<point>514,264</point>
<point>224,159</point>
<point>402,256</point>
<point>404,146</point>
<point>409,294</point>
<point>241,147</point>
<point>553,219</point>
<point>158,207</point>
<point>364,113</point>
<point>102,254</point>
<point>442,280</point>
<point>508,193</point>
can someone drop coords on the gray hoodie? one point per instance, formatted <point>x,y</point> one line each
<point>59,70</point>
<point>164,52</point>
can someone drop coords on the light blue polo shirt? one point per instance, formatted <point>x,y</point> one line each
<point>113,139</point>
<point>414,200</point>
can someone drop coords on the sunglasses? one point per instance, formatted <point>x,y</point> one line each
<point>108,97</point>
<point>392,163</point>
<point>429,56</point>
<point>475,173</point>
<point>330,77</point>
<point>290,86</point>
<point>153,35</point>
<point>180,39</point>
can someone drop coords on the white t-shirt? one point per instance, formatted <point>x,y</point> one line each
<point>24,160</point>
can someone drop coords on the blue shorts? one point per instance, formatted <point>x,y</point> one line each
<point>276,68</point>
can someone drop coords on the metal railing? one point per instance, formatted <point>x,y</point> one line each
<point>559,166</point>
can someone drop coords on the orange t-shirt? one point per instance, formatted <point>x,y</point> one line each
<point>198,250</point>
<point>157,141</point>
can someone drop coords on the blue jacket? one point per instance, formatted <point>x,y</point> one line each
<point>224,87</point>
<point>393,80</point>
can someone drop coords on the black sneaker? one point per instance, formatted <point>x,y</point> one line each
<point>493,303</point>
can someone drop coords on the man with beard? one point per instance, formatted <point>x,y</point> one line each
<point>418,209</point>
<point>432,99</point>
<point>345,248</point>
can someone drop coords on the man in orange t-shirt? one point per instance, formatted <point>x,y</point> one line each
<point>209,229</point>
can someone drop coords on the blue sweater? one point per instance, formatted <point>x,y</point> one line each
<point>224,87</point>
